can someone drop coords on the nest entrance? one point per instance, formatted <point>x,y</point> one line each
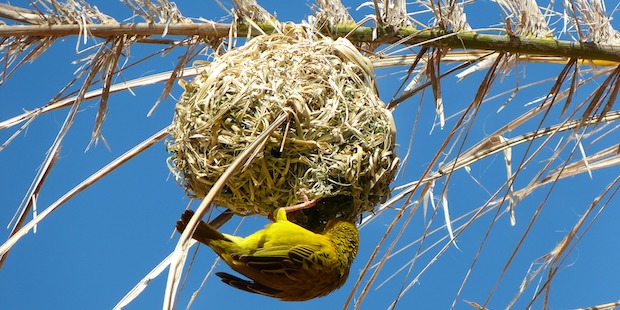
<point>337,145</point>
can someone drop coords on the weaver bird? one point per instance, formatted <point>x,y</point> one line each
<point>284,260</point>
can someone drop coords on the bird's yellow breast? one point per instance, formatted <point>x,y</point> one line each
<point>282,233</point>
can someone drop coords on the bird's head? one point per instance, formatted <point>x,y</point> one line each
<point>345,237</point>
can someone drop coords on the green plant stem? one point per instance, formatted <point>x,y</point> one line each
<point>386,35</point>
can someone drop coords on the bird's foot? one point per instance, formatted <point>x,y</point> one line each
<point>304,205</point>
<point>292,210</point>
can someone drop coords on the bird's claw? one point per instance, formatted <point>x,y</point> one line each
<point>292,210</point>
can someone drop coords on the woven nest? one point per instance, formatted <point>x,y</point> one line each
<point>337,144</point>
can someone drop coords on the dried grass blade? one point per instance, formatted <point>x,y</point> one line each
<point>21,15</point>
<point>573,84</point>
<point>477,152</point>
<point>138,82</point>
<point>408,94</point>
<point>607,306</point>
<point>602,92</point>
<point>165,12</point>
<point>142,284</point>
<point>16,133</point>
<point>29,199</point>
<point>43,171</point>
<point>155,272</point>
<point>17,45</point>
<point>383,260</point>
<point>433,71</point>
<point>83,185</point>
<point>180,251</point>
<point>188,56</point>
<point>446,214</point>
<point>612,97</point>
<point>488,80</point>
<point>556,255</point>
<point>251,10</point>
<point>109,65</point>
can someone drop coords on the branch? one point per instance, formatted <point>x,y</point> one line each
<point>406,35</point>
<point>210,29</point>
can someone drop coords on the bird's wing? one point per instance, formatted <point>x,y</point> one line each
<point>278,259</point>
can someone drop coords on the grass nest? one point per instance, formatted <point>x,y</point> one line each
<point>337,145</point>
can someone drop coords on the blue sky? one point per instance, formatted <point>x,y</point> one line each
<point>92,251</point>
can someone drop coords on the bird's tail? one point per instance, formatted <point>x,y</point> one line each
<point>248,286</point>
<point>204,232</point>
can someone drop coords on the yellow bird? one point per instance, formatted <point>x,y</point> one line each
<point>284,260</point>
